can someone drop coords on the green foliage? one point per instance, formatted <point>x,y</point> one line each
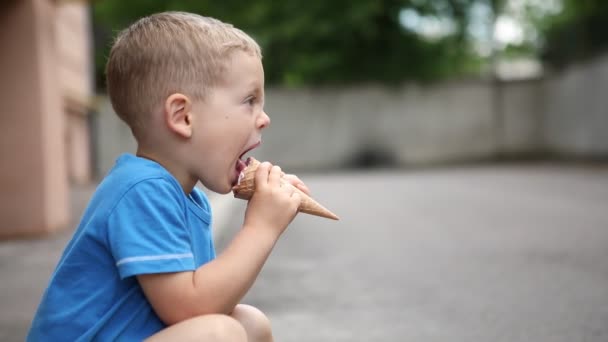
<point>577,33</point>
<point>322,42</point>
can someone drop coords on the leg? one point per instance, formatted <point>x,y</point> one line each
<point>212,328</point>
<point>256,324</point>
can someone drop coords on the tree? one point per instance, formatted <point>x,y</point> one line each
<point>578,32</point>
<point>325,42</point>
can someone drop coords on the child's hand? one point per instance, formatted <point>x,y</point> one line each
<point>273,205</point>
<point>297,182</point>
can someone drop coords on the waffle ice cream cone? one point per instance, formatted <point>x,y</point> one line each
<point>246,187</point>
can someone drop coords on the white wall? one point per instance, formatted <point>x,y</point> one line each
<point>519,111</point>
<point>415,124</point>
<point>325,128</point>
<point>112,137</point>
<point>576,115</point>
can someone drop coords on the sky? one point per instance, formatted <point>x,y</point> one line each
<point>513,26</point>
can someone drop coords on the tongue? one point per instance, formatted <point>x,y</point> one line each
<point>240,166</point>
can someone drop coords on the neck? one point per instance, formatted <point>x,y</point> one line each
<point>170,164</point>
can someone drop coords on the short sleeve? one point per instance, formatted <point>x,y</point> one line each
<point>147,230</point>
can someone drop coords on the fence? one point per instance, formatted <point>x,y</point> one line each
<point>321,128</point>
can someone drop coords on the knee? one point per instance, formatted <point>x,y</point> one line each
<point>221,328</point>
<point>255,322</point>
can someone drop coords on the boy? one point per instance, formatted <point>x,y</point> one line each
<point>142,262</point>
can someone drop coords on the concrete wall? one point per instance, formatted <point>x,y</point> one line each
<point>328,128</point>
<point>576,113</point>
<point>408,125</point>
<point>325,128</point>
<point>518,114</point>
<point>112,137</point>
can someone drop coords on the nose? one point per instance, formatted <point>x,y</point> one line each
<point>263,120</point>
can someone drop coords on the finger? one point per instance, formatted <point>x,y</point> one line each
<point>274,178</point>
<point>297,199</point>
<point>261,175</point>
<point>295,181</point>
<point>289,188</point>
<point>303,188</point>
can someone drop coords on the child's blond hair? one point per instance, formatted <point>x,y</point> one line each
<point>168,53</point>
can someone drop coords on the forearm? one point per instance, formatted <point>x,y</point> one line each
<point>222,283</point>
<point>219,285</point>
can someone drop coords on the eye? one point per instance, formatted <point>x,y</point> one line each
<point>250,100</point>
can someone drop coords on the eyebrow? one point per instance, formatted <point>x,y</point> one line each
<point>254,84</point>
<point>255,88</point>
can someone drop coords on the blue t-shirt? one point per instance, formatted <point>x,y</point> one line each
<point>139,221</point>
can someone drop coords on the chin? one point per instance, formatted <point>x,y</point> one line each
<point>222,189</point>
<point>226,188</point>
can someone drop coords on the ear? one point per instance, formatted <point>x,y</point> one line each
<point>178,114</point>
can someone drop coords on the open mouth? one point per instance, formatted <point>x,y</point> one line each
<point>242,164</point>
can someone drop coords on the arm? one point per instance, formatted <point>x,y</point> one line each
<point>219,285</point>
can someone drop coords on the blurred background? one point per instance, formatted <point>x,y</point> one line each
<point>406,115</point>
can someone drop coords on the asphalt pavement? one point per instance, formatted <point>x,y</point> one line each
<point>489,253</point>
<point>470,253</point>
